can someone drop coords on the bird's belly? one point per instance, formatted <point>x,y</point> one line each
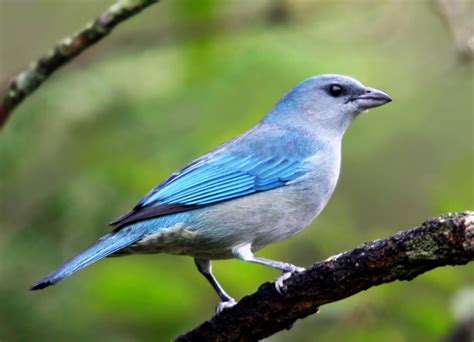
<point>259,219</point>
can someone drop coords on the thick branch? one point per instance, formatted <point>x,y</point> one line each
<point>441,241</point>
<point>29,80</point>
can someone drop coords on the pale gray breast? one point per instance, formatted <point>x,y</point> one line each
<point>270,216</point>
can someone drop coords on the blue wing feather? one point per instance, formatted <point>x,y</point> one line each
<point>210,180</point>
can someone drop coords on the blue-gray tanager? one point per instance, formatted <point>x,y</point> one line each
<point>258,188</point>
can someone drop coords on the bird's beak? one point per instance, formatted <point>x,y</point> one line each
<point>372,98</point>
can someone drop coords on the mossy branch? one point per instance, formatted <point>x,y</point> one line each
<point>26,82</point>
<point>440,241</point>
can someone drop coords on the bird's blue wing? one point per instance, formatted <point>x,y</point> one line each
<point>210,180</point>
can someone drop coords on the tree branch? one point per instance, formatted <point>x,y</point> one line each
<point>440,241</point>
<point>26,82</point>
<point>458,17</point>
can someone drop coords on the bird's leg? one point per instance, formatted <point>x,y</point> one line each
<point>205,267</point>
<point>245,253</point>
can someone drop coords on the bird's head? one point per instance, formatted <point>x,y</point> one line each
<point>328,101</point>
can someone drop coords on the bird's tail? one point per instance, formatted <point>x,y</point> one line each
<point>106,246</point>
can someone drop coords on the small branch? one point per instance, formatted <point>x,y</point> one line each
<point>457,16</point>
<point>25,83</point>
<point>441,241</point>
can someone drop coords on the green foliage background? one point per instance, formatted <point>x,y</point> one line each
<point>176,81</point>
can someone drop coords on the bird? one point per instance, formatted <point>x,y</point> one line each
<point>258,188</point>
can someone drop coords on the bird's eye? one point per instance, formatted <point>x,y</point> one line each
<point>335,90</point>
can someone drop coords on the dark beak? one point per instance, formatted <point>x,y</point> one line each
<point>372,98</point>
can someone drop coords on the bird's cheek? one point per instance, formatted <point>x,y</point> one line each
<point>353,109</point>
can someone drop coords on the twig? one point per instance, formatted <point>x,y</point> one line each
<point>38,72</point>
<point>440,241</point>
<point>458,18</point>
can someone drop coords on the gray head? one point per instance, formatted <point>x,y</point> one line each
<point>326,102</point>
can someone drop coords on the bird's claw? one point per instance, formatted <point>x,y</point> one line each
<point>225,305</point>
<point>279,286</point>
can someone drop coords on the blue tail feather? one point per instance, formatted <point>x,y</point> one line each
<point>106,246</point>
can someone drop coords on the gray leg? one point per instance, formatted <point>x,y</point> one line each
<point>205,267</point>
<point>245,253</point>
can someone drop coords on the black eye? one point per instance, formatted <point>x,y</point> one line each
<point>335,90</point>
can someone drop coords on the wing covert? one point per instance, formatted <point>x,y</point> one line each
<point>212,180</point>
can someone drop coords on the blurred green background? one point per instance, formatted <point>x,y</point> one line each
<point>183,77</point>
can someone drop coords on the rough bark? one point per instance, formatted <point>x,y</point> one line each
<point>440,241</point>
<point>29,80</point>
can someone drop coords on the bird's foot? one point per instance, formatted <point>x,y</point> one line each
<point>279,285</point>
<point>225,305</point>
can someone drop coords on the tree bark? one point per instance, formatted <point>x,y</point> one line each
<point>440,241</point>
<point>29,80</point>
